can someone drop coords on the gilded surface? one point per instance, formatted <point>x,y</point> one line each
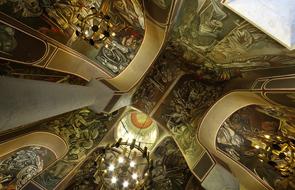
<point>21,165</point>
<point>82,130</point>
<point>107,32</point>
<point>262,139</point>
<point>184,106</point>
<point>220,36</point>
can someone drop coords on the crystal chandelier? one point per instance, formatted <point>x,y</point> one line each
<point>123,165</point>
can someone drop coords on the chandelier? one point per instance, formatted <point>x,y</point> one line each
<point>123,165</point>
<point>95,28</point>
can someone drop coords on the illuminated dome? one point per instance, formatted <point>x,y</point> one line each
<point>139,126</point>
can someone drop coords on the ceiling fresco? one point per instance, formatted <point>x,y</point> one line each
<point>107,32</point>
<point>82,130</point>
<point>175,61</point>
<point>20,166</point>
<point>220,37</point>
<point>170,170</point>
<point>209,47</point>
<point>183,108</point>
<point>275,17</point>
<point>177,91</point>
<point>262,140</point>
<point>83,179</point>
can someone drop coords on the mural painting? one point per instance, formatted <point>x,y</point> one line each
<point>82,130</point>
<point>170,168</point>
<point>157,81</point>
<point>183,108</point>
<point>224,39</point>
<point>14,46</point>
<point>83,179</point>
<point>262,140</point>
<point>20,166</point>
<point>107,32</point>
<point>164,4</point>
<point>203,23</point>
<point>175,61</point>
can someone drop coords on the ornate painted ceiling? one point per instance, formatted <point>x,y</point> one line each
<point>199,52</point>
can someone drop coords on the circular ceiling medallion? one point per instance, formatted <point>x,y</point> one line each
<point>140,120</point>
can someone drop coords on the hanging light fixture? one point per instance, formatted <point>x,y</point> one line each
<point>95,28</point>
<point>123,165</point>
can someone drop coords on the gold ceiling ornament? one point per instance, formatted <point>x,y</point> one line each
<point>124,165</point>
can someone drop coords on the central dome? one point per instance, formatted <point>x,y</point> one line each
<point>140,120</point>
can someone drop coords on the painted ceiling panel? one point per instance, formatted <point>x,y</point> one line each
<point>275,18</point>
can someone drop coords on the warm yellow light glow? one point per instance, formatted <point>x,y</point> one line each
<point>256,146</point>
<point>125,184</point>
<point>132,164</point>
<point>267,136</point>
<point>134,176</point>
<point>111,167</point>
<point>114,180</point>
<point>120,160</point>
<point>128,131</point>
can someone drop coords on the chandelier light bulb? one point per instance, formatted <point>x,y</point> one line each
<point>114,180</point>
<point>267,136</point>
<point>125,184</point>
<point>120,160</point>
<point>134,176</point>
<point>132,164</point>
<point>111,167</point>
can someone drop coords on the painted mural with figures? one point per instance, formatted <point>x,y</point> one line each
<point>82,130</point>
<point>83,178</point>
<point>221,37</point>
<point>170,168</point>
<point>183,107</point>
<point>107,32</point>
<point>174,62</point>
<point>20,166</point>
<point>261,138</point>
<point>157,81</point>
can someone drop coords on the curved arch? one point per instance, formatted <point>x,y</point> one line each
<point>43,139</point>
<point>144,58</point>
<point>153,41</point>
<point>214,119</point>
